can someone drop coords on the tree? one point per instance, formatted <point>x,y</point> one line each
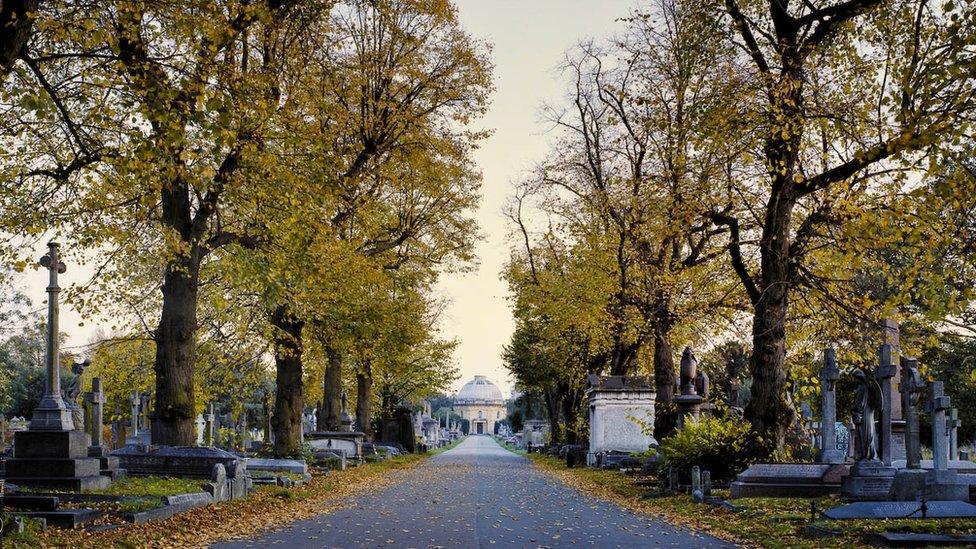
<point>823,139</point>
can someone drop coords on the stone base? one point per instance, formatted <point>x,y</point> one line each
<point>832,456</point>
<point>789,480</point>
<point>945,486</point>
<point>908,485</point>
<point>48,467</point>
<point>51,444</point>
<point>76,484</point>
<point>868,481</point>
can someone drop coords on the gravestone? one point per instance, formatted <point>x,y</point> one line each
<point>209,432</point>
<point>706,483</point>
<point>829,374</point>
<point>108,465</point>
<point>870,478</point>
<point>953,424</point>
<point>697,495</point>
<point>200,424</point>
<point>783,480</point>
<point>909,482</point>
<point>941,483</point>
<point>51,453</point>
<point>616,405</point>
<point>896,420</point>
<point>901,510</point>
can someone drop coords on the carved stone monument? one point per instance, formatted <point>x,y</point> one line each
<point>870,477</point>
<point>621,414</point>
<point>829,374</point>
<point>909,483</point>
<point>689,401</point>
<point>941,483</point>
<point>52,453</point>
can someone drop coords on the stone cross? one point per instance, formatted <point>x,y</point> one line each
<point>829,375</point>
<point>952,425</point>
<point>51,413</point>
<point>144,409</point>
<point>208,430</point>
<point>884,373</point>
<point>911,384</point>
<point>134,405</point>
<point>200,424</point>
<point>938,405</point>
<point>891,336</point>
<point>96,397</point>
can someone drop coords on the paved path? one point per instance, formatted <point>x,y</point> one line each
<point>474,496</point>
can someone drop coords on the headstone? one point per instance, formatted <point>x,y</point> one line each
<point>952,425</point>
<point>901,510</point>
<point>789,480</point>
<point>706,483</point>
<point>96,397</point>
<point>909,483</point>
<point>941,483</point>
<point>144,399</point>
<point>891,336</point>
<point>209,431</point>
<point>134,408</point>
<point>697,495</point>
<point>884,374</point>
<point>829,374</point>
<point>200,423</point>
<point>870,478</point>
<point>218,487</point>
<point>615,402</point>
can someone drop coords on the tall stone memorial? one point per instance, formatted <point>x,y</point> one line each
<point>689,401</point>
<point>52,453</point>
<point>941,483</point>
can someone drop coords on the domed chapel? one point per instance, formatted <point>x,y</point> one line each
<point>481,403</point>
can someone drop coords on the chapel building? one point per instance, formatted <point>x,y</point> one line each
<point>481,403</point>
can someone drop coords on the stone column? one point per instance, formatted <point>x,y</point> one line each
<point>52,413</point>
<point>952,425</point>
<point>829,375</point>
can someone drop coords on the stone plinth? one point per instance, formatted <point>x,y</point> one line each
<point>870,480</point>
<point>621,415</point>
<point>784,480</point>
<point>54,460</point>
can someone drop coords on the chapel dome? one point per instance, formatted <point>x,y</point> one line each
<point>479,389</point>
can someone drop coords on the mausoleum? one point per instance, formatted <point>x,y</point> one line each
<point>482,404</point>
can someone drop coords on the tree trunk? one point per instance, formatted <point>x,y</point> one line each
<point>332,389</point>
<point>666,415</point>
<point>768,411</point>
<point>289,389</point>
<point>17,24</point>
<point>364,389</point>
<point>172,420</point>
<point>552,412</point>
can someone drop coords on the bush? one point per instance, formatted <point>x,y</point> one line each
<point>719,445</point>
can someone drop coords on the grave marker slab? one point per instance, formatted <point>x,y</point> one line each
<point>901,509</point>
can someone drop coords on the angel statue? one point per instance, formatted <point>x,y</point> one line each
<point>868,399</point>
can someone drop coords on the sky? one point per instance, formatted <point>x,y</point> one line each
<point>528,38</point>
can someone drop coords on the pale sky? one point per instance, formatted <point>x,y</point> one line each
<point>529,39</point>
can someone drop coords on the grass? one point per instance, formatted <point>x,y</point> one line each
<point>766,522</point>
<point>152,486</point>
<point>27,538</point>
<point>266,508</point>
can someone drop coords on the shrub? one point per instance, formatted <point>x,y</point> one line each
<point>719,445</point>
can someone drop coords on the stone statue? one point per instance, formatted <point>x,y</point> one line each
<point>71,392</point>
<point>689,366</point>
<point>867,401</point>
<point>345,403</point>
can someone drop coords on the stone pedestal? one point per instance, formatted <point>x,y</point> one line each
<point>870,480</point>
<point>621,415</point>
<point>54,460</point>
<point>689,408</point>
